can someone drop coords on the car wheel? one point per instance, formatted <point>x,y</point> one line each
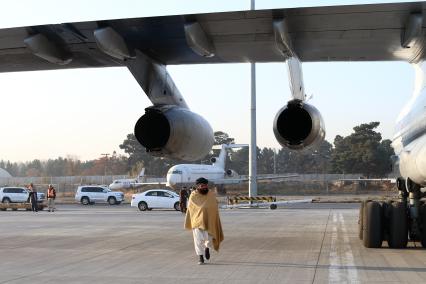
<point>5,200</point>
<point>143,206</point>
<point>112,201</point>
<point>85,201</point>
<point>117,202</point>
<point>177,206</point>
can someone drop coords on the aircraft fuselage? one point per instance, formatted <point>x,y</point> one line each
<point>409,141</point>
<point>186,174</point>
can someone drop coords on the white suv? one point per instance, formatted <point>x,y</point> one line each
<point>17,194</point>
<point>89,194</point>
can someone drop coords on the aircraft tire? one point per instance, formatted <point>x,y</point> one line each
<point>423,225</point>
<point>398,225</point>
<point>372,225</point>
<point>360,219</point>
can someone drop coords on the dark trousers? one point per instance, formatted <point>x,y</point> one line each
<point>182,205</point>
<point>33,200</point>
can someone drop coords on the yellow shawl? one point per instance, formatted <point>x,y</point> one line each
<point>203,213</point>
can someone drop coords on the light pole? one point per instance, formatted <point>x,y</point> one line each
<point>253,146</point>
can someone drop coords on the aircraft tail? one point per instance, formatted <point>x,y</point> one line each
<point>141,175</point>
<point>221,159</point>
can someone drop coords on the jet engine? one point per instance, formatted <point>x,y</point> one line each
<point>231,173</point>
<point>174,132</point>
<point>299,126</point>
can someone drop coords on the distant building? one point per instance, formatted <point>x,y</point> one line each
<point>4,174</point>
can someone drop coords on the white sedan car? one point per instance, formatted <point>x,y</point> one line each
<point>155,198</point>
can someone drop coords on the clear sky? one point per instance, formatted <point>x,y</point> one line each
<point>87,112</point>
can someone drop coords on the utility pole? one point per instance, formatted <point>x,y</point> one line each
<point>106,161</point>
<point>253,146</point>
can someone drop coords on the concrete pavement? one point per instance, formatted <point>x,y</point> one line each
<point>313,243</point>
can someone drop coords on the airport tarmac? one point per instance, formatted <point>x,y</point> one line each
<point>307,243</point>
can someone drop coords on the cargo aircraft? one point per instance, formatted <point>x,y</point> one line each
<point>377,32</point>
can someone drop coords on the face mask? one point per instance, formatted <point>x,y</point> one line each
<point>203,190</point>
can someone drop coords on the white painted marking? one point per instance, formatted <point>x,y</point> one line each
<point>342,266</point>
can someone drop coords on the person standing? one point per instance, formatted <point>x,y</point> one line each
<point>202,217</point>
<point>183,198</point>
<point>51,196</point>
<point>33,197</point>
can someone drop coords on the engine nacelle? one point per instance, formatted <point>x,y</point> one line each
<point>298,126</point>
<point>231,173</point>
<point>174,132</point>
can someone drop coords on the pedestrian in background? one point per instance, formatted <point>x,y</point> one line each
<point>33,197</point>
<point>202,217</point>
<point>183,198</point>
<point>51,196</point>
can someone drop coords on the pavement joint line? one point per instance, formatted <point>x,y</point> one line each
<point>322,243</point>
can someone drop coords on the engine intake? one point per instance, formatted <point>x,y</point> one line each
<point>174,132</point>
<point>298,126</point>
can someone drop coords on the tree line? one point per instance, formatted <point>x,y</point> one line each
<point>363,152</point>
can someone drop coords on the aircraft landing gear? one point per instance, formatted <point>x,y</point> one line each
<point>372,224</point>
<point>395,221</point>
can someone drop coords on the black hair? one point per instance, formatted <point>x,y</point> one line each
<point>201,180</point>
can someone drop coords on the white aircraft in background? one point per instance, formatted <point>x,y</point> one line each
<point>182,175</point>
<point>128,182</point>
<point>186,174</point>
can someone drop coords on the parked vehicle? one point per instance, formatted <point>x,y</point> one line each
<point>17,195</point>
<point>155,198</point>
<point>90,194</point>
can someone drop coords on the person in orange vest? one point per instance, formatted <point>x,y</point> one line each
<point>51,195</point>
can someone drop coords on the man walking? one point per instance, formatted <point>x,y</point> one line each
<point>202,217</point>
<point>33,197</point>
<point>51,195</point>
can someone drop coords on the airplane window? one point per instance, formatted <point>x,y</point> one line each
<point>177,172</point>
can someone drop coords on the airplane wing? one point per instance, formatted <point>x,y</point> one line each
<point>338,33</point>
<point>149,183</point>
<point>246,179</point>
<point>271,205</point>
<point>391,180</point>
